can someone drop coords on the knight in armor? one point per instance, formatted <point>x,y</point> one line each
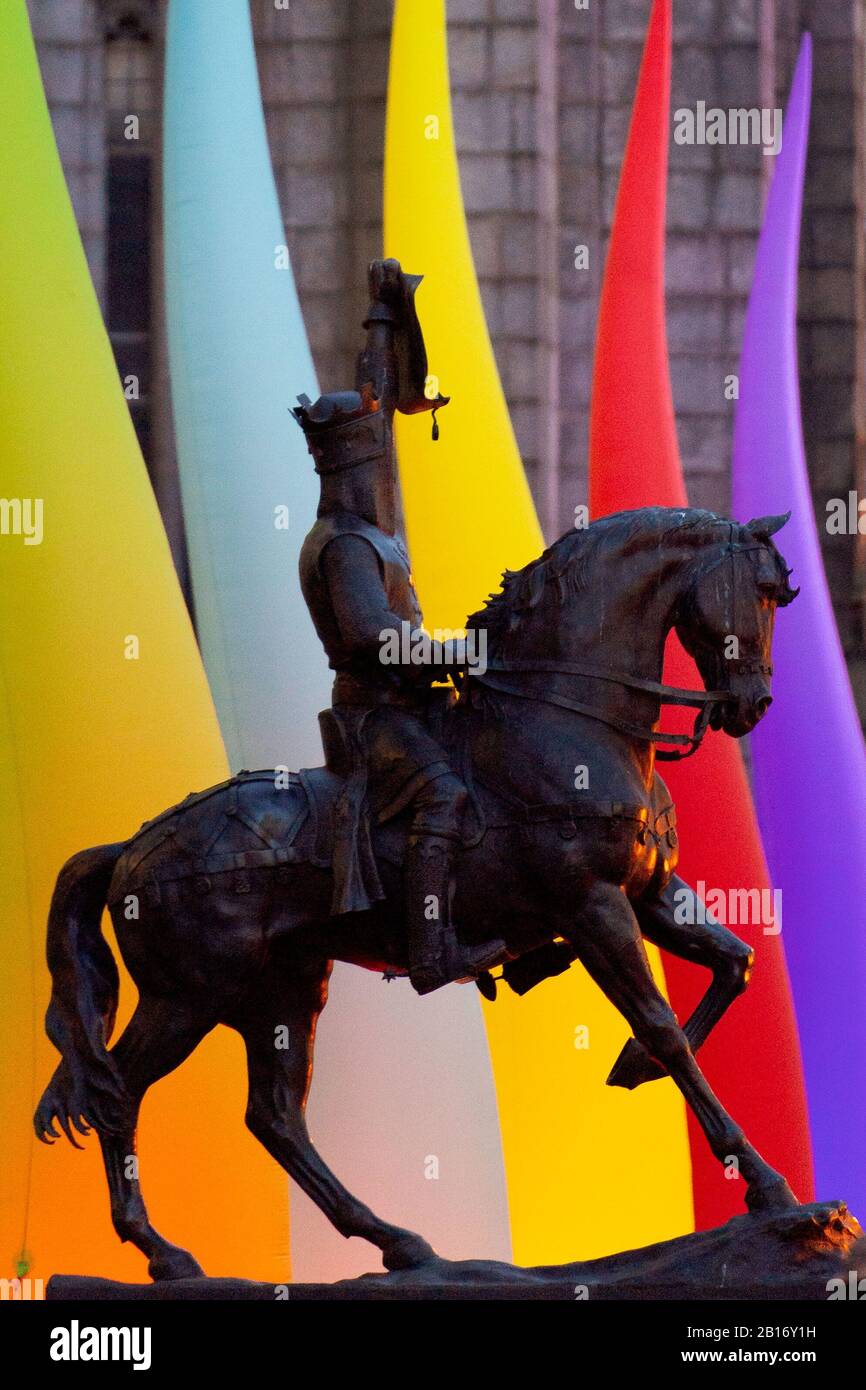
<point>356,579</point>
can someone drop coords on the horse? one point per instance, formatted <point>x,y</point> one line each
<point>233,886</point>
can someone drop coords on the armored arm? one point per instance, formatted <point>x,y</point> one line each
<point>392,368</point>
<point>350,568</point>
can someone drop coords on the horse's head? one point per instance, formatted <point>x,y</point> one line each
<point>599,604</point>
<point>725,621</point>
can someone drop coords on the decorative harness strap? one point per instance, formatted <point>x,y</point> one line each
<point>566,814</point>
<point>702,700</point>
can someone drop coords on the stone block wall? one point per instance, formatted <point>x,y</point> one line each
<point>69,45</point>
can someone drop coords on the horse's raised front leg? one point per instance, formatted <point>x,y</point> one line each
<point>277,1021</point>
<point>609,945</point>
<point>704,942</point>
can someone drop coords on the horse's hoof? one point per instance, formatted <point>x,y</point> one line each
<point>773,1196</point>
<point>174,1263</point>
<point>634,1066</point>
<point>407,1252</point>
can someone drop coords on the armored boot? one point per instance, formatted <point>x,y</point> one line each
<point>435,956</point>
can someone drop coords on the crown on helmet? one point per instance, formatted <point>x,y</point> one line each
<point>342,430</point>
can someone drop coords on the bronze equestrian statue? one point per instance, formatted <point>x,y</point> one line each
<point>249,891</point>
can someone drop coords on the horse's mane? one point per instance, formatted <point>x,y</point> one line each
<point>568,563</point>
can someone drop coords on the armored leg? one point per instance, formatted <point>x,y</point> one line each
<point>435,955</point>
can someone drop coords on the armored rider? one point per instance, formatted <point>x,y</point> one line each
<point>356,579</point>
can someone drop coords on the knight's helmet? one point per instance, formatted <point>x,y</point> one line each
<point>350,433</point>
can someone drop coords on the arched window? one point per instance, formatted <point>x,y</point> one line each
<point>130,97</point>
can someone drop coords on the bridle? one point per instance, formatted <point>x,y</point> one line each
<point>704,701</point>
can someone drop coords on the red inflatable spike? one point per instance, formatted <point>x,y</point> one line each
<point>752,1060</point>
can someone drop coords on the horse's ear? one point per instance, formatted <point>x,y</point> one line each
<point>763,527</point>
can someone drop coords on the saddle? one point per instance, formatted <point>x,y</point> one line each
<point>237,834</point>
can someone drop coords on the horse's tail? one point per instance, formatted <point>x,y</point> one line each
<point>86,1088</point>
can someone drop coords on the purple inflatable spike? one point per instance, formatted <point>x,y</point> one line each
<point>808,755</point>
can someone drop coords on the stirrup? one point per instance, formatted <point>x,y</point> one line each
<point>456,963</point>
<point>473,961</point>
<point>486,985</point>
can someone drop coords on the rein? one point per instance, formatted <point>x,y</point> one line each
<point>703,701</point>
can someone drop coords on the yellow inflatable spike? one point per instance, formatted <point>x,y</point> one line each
<point>569,1140</point>
<point>468,489</point>
<point>105,719</point>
